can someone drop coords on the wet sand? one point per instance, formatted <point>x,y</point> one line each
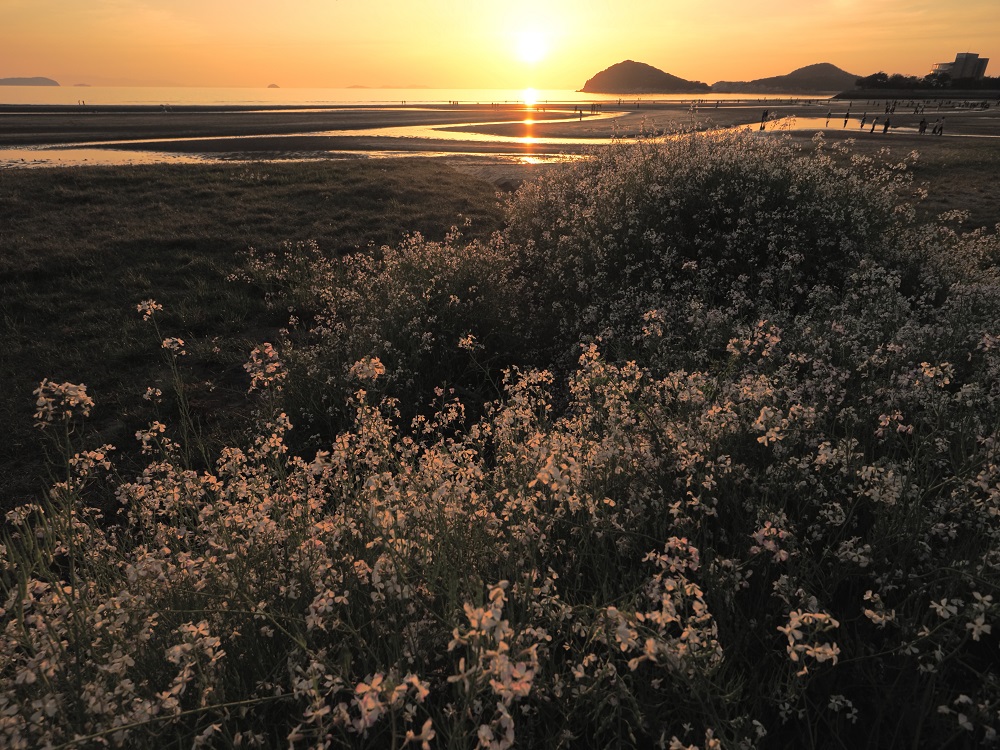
<point>502,144</point>
<point>34,126</point>
<point>553,129</point>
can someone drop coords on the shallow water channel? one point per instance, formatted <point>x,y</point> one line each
<point>389,141</point>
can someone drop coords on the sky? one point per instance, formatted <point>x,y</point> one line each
<point>512,44</point>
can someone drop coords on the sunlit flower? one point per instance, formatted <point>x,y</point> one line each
<point>369,368</point>
<point>60,401</point>
<point>148,308</point>
<point>174,345</point>
<point>265,368</point>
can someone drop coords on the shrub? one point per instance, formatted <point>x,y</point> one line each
<point>703,229</point>
<point>410,306</point>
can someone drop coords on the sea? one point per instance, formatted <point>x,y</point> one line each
<point>254,97</point>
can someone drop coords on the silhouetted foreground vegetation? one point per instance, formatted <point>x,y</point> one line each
<point>699,450</point>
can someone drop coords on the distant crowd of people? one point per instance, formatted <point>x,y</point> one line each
<point>889,110</point>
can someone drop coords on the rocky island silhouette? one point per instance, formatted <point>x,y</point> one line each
<point>36,81</point>
<point>630,77</point>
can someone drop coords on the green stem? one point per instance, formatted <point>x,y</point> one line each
<point>77,741</point>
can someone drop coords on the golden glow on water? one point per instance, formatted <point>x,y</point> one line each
<point>530,97</point>
<point>529,130</point>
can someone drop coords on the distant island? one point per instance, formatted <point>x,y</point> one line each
<point>39,81</point>
<point>821,77</point>
<point>630,77</point>
<point>273,86</point>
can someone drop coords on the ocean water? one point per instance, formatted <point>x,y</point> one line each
<point>151,95</point>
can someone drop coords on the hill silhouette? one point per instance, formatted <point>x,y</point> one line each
<point>811,78</point>
<point>630,77</point>
<point>38,81</point>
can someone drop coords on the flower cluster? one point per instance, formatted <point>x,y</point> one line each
<point>265,368</point>
<point>174,345</point>
<point>752,430</point>
<point>60,402</point>
<point>148,308</point>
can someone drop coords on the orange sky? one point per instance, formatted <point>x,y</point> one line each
<point>469,44</point>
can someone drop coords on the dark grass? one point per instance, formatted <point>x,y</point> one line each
<point>79,247</point>
<point>961,174</point>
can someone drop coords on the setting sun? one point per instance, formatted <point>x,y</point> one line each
<point>532,46</point>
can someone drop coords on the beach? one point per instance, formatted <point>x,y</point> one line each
<point>233,132</point>
<point>501,143</point>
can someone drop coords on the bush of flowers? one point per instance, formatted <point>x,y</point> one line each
<point>422,308</point>
<point>760,507</point>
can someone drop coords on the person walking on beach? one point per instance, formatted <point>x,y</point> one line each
<point>885,127</point>
<point>864,119</point>
<point>763,119</point>
<point>923,126</point>
<point>874,123</point>
<point>847,117</point>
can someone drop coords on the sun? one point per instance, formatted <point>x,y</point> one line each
<point>531,46</point>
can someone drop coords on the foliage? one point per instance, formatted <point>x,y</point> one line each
<point>760,507</point>
<point>723,228</point>
<point>423,308</point>
<point>931,81</point>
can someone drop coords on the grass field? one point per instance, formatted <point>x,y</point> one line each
<point>80,247</point>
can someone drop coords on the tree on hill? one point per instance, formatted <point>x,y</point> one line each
<point>938,80</point>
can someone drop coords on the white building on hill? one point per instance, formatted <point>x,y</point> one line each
<point>966,65</point>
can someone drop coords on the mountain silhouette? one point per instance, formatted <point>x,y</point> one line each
<point>38,81</point>
<point>820,77</point>
<point>630,77</point>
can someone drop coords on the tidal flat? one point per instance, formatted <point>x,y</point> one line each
<point>34,134</point>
